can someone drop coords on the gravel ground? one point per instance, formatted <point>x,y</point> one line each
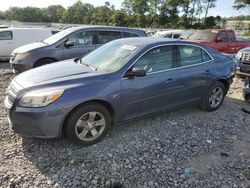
<point>188,148</point>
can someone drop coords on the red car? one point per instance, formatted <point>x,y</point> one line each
<point>223,40</point>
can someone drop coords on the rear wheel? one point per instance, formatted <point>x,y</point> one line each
<point>214,97</point>
<point>88,124</point>
<point>44,61</point>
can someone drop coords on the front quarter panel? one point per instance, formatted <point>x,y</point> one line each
<point>108,91</point>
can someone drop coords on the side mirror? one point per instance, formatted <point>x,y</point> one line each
<point>219,39</point>
<point>136,72</point>
<point>69,44</point>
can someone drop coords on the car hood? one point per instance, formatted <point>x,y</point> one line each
<point>62,72</point>
<point>29,47</point>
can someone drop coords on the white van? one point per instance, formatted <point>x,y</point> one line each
<point>11,38</point>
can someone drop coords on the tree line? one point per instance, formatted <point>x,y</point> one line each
<point>133,13</point>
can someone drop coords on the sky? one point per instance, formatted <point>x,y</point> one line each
<point>223,8</point>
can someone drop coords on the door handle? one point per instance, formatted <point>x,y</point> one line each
<point>169,80</point>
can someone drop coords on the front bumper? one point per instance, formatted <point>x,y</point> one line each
<point>19,66</point>
<point>44,122</point>
<point>243,70</point>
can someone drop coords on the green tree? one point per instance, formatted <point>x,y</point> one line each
<point>208,5</point>
<point>209,22</point>
<point>102,16</point>
<point>119,18</point>
<point>78,13</point>
<point>242,5</point>
<point>2,16</point>
<point>137,9</point>
<point>55,13</point>
<point>169,13</point>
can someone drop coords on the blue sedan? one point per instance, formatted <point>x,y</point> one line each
<point>122,80</point>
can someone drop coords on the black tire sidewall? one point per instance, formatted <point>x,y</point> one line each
<point>77,113</point>
<point>205,102</point>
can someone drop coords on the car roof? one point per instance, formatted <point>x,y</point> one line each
<point>146,41</point>
<point>102,27</point>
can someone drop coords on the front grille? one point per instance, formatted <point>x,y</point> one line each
<point>246,58</point>
<point>12,56</point>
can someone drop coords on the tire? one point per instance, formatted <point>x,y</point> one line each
<point>81,125</point>
<point>44,61</point>
<point>212,101</point>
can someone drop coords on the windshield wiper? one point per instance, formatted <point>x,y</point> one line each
<point>88,65</point>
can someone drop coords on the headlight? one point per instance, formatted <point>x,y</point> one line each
<point>239,55</point>
<point>21,56</point>
<point>40,98</point>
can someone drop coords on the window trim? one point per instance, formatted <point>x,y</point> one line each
<point>7,39</point>
<point>173,44</point>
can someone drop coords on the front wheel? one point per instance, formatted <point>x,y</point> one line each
<point>88,124</point>
<point>214,97</point>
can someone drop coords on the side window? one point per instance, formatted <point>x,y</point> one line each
<point>127,35</point>
<point>82,39</point>
<point>223,35</point>
<point>176,36</point>
<point>107,36</point>
<point>157,59</point>
<point>191,55</point>
<point>232,36</point>
<point>6,35</point>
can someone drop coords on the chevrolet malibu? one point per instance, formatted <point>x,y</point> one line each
<point>122,80</point>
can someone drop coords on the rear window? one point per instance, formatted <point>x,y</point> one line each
<point>6,35</point>
<point>191,55</point>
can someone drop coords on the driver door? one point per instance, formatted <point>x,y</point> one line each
<point>82,45</point>
<point>155,91</point>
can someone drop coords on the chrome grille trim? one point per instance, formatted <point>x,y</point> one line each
<point>246,57</point>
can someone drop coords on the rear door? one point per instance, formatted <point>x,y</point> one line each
<point>195,68</point>
<point>82,44</point>
<point>105,36</point>
<point>7,43</point>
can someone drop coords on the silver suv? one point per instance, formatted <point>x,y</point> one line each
<point>70,43</point>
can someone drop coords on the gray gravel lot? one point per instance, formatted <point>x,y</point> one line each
<point>188,148</point>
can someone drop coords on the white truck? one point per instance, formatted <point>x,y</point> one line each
<point>11,38</point>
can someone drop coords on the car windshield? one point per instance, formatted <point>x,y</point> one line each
<point>203,35</point>
<point>110,57</point>
<point>56,37</point>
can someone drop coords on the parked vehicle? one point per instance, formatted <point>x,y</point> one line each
<point>176,34</point>
<point>223,40</point>
<point>11,38</point>
<point>243,63</point>
<point>3,26</point>
<point>122,80</point>
<point>70,43</point>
